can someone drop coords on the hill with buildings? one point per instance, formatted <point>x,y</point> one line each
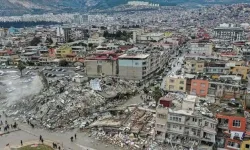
<point>17,7</point>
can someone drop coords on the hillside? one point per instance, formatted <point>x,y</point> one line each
<point>17,7</point>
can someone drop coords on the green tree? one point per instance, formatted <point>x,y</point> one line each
<point>21,67</point>
<point>49,40</point>
<point>35,41</point>
<point>145,90</point>
<point>63,63</point>
<point>157,95</point>
<point>118,34</point>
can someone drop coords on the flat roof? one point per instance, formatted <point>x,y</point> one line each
<point>29,53</point>
<point>182,112</point>
<point>141,56</point>
<point>190,98</point>
<point>153,34</point>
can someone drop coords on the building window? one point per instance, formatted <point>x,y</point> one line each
<point>181,82</point>
<point>202,91</point>
<point>214,70</point>
<point>180,127</point>
<point>161,116</point>
<point>136,63</point>
<point>168,126</point>
<point>194,83</point>
<point>236,123</point>
<point>174,126</point>
<point>247,146</point>
<point>233,144</point>
<point>160,126</point>
<point>193,90</point>
<point>203,85</point>
<point>181,88</point>
<point>206,123</point>
<point>171,87</point>
<point>213,85</point>
<point>171,80</point>
<point>194,119</point>
<point>212,125</point>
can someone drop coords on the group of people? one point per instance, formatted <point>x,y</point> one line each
<point>72,138</point>
<point>7,126</point>
<point>55,146</point>
<point>31,124</point>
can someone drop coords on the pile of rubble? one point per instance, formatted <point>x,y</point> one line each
<point>130,128</point>
<point>65,104</point>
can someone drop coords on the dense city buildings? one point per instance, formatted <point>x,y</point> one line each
<point>136,76</point>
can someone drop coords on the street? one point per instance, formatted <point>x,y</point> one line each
<point>26,134</point>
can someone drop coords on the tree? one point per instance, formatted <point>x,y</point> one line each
<point>49,40</point>
<point>63,63</point>
<point>157,95</point>
<point>145,90</point>
<point>35,41</point>
<point>21,67</point>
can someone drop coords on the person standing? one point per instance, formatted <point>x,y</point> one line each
<point>75,136</point>
<point>21,143</point>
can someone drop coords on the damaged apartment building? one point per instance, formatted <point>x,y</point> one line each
<point>185,123</point>
<point>136,64</point>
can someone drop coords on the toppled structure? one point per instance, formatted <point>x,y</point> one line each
<point>66,104</point>
<point>130,127</point>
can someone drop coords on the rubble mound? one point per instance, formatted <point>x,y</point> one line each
<point>65,104</point>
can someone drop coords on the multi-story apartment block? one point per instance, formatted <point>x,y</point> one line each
<point>176,83</point>
<point>194,66</point>
<point>231,126</point>
<point>138,65</point>
<point>228,32</point>
<point>184,125</point>
<point>227,86</point>
<point>63,51</point>
<point>215,67</point>
<point>202,47</point>
<point>240,70</point>
<point>105,63</point>
<point>199,87</point>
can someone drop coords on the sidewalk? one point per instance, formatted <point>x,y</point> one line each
<point>46,142</point>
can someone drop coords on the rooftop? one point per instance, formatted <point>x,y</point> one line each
<point>140,56</point>
<point>190,98</point>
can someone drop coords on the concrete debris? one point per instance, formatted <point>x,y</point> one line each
<point>129,128</point>
<point>64,104</point>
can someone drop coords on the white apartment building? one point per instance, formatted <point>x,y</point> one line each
<point>139,65</point>
<point>229,32</point>
<point>184,125</point>
<point>150,37</point>
<point>201,47</point>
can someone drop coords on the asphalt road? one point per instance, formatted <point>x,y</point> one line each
<point>26,134</point>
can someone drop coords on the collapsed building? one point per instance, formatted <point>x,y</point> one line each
<point>131,127</point>
<point>64,104</point>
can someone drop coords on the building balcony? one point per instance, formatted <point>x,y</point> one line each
<point>176,122</point>
<point>208,139</point>
<point>223,125</point>
<point>175,131</point>
<point>209,130</point>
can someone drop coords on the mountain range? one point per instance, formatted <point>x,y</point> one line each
<point>18,7</point>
